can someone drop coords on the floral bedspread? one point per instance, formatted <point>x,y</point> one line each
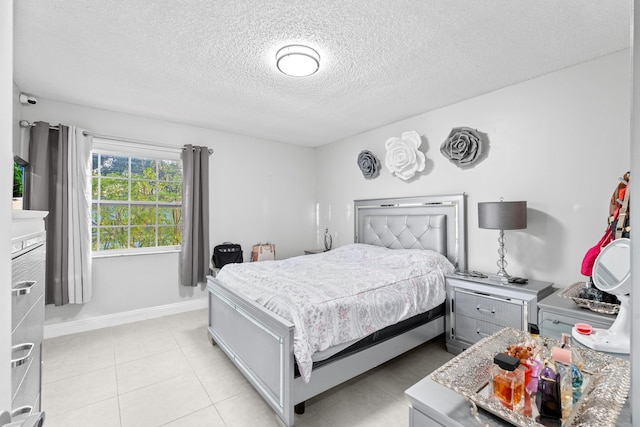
<point>343,294</point>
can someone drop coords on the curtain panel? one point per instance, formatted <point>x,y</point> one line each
<point>194,257</point>
<point>61,184</point>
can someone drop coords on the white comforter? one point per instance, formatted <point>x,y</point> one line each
<point>344,294</point>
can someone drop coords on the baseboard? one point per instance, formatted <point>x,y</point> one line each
<point>84,325</point>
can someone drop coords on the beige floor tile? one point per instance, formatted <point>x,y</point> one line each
<point>364,405</point>
<point>79,391</point>
<point>137,344</point>
<point>204,356</point>
<point>102,414</point>
<point>163,402</point>
<point>247,409</point>
<point>62,361</point>
<point>207,417</point>
<point>194,335</point>
<point>222,381</point>
<point>150,370</point>
<point>74,342</point>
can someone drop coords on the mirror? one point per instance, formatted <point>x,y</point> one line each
<point>612,268</point>
<point>612,273</point>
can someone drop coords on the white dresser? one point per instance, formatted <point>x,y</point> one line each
<point>27,319</point>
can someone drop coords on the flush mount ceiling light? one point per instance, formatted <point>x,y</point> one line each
<point>297,60</point>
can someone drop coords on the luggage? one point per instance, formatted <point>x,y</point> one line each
<point>263,252</point>
<point>226,253</point>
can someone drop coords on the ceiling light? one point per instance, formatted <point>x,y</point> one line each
<point>297,60</point>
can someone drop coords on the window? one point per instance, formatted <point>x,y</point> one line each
<point>136,202</point>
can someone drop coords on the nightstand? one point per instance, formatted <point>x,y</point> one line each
<point>477,308</point>
<point>557,315</point>
<point>313,251</point>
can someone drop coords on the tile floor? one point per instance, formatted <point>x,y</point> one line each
<point>165,372</point>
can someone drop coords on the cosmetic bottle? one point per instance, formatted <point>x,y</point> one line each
<point>548,396</point>
<point>576,366</point>
<point>507,381</point>
<point>562,357</point>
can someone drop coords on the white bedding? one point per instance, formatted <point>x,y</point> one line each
<point>344,294</point>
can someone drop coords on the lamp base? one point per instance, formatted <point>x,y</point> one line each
<point>498,278</point>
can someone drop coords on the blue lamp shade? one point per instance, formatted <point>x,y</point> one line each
<point>502,215</point>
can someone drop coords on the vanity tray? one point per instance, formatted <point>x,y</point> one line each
<point>573,292</point>
<point>601,401</point>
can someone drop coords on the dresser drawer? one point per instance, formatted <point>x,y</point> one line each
<point>473,330</point>
<point>488,309</point>
<point>27,270</point>
<point>29,332</point>
<point>28,394</point>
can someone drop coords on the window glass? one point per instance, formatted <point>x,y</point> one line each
<point>137,202</point>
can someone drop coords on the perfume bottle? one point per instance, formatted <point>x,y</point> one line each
<point>577,364</point>
<point>507,381</point>
<point>548,396</point>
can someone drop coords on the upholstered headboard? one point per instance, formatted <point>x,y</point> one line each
<point>430,222</point>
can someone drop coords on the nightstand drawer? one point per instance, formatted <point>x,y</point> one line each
<point>556,319</point>
<point>473,330</point>
<point>487,309</point>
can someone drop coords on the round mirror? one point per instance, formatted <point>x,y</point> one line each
<point>612,268</point>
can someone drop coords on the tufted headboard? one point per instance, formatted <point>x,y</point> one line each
<point>429,222</point>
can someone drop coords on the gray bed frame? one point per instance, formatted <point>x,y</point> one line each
<point>260,343</point>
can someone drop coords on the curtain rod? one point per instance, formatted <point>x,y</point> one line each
<point>26,124</point>
<point>136,141</point>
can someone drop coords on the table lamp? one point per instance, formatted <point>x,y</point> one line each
<point>502,216</point>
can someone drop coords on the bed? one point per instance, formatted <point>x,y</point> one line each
<point>261,343</point>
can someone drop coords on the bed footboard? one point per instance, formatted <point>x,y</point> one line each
<point>259,343</point>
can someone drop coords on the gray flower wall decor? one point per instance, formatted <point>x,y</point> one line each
<point>368,164</point>
<point>403,159</point>
<point>463,147</point>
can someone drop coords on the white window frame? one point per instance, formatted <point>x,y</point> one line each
<point>125,149</point>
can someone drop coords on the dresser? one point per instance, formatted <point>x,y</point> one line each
<point>478,307</point>
<point>27,305</point>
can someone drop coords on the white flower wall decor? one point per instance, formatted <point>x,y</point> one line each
<point>403,158</point>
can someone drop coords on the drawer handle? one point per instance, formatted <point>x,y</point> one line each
<point>486,310</point>
<point>482,334</point>
<point>22,410</point>
<point>555,321</point>
<point>28,347</point>
<point>23,288</point>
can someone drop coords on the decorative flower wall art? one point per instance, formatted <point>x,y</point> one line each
<point>463,147</point>
<point>403,158</point>
<point>368,164</point>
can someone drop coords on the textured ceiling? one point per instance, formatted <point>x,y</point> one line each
<point>211,63</point>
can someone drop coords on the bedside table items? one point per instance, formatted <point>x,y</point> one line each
<point>502,216</point>
<point>517,280</point>
<point>580,293</point>
<point>328,240</point>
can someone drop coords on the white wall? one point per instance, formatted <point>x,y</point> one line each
<point>559,142</point>
<point>259,190</point>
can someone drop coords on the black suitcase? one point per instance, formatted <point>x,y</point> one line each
<point>226,253</point>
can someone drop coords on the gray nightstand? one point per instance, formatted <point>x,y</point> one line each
<point>313,251</point>
<point>558,314</point>
<point>477,308</point>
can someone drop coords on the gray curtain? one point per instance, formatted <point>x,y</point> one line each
<point>194,257</point>
<point>48,153</point>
